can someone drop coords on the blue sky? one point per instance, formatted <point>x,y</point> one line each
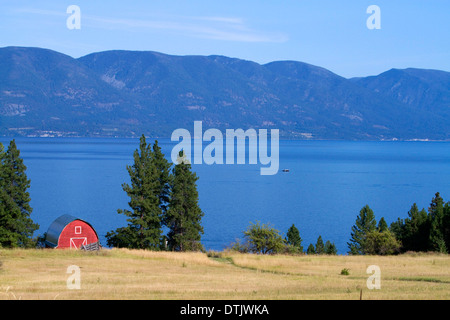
<point>328,33</point>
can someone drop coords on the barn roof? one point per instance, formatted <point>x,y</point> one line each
<point>57,227</point>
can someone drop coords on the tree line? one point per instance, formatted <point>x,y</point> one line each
<point>163,197</point>
<point>265,239</point>
<point>420,231</point>
<point>427,231</point>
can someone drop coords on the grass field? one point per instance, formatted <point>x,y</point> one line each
<point>138,274</point>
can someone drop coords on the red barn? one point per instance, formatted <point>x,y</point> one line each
<point>70,232</point>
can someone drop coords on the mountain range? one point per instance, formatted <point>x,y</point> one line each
<point>129,93</point>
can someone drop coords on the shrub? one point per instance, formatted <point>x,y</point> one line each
<point>264,239</point>
<point>239,247</point>
<point>345,272</point>
<point>381,243</point>
<point>292,250</point>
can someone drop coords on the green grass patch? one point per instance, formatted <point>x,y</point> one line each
<point>422,279</point>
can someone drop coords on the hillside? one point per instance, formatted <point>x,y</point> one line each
<point>127,93</point>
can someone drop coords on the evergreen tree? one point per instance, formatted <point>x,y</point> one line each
<point>398,229</point>
<point>382,225</point>
<point>417,229</point>
<point>320,248</point>
<point>436,220</point>
<point>446,225</point>
<point>16,225</point>
<point>184,215</point>
<point>148,194</point>
<point>422,231</point>
<point>413,233</point>
<point>310,249</point>
<point>436,204</point>
<point>293,238</point>
<point>365,223</point>
<point>330,248</point>
<point>162,175</point>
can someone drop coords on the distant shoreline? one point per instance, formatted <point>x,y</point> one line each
<point>168,138</point>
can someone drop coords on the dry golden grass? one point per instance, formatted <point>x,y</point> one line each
<point>139,274</point>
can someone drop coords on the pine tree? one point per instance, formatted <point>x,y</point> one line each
<point>365,223</point>
<point>382,225</point>
<point>446,225</point>
<point>184,215</point>
<point>320,248</point>
<point>310,249</point>
<point>293,238</point>
<point>148,194</point>
<point>398,228</point>
<point>330,248</point>
<point>16,225</point>
<point>436,220</point>
<point>162,175</point>
<point>416,231</point>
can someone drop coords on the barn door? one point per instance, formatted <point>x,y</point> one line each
<point>77,242</point>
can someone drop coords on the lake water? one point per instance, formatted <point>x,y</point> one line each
<point>327,184</point>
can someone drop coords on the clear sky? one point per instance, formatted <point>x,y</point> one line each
<point>328,33</point>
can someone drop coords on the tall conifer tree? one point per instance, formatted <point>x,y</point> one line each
<point>162,176</point>
<point>436,220</point>
<point>365,223</point>
<point>293,238</point>
<point>184,215</point>
<point>416,230</point>
<point>446,225</point>
<point>320,248</point>
<point>148,197</point>
<point>16,225</point>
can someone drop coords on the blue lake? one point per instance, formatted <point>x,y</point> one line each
<point>327,184</point>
